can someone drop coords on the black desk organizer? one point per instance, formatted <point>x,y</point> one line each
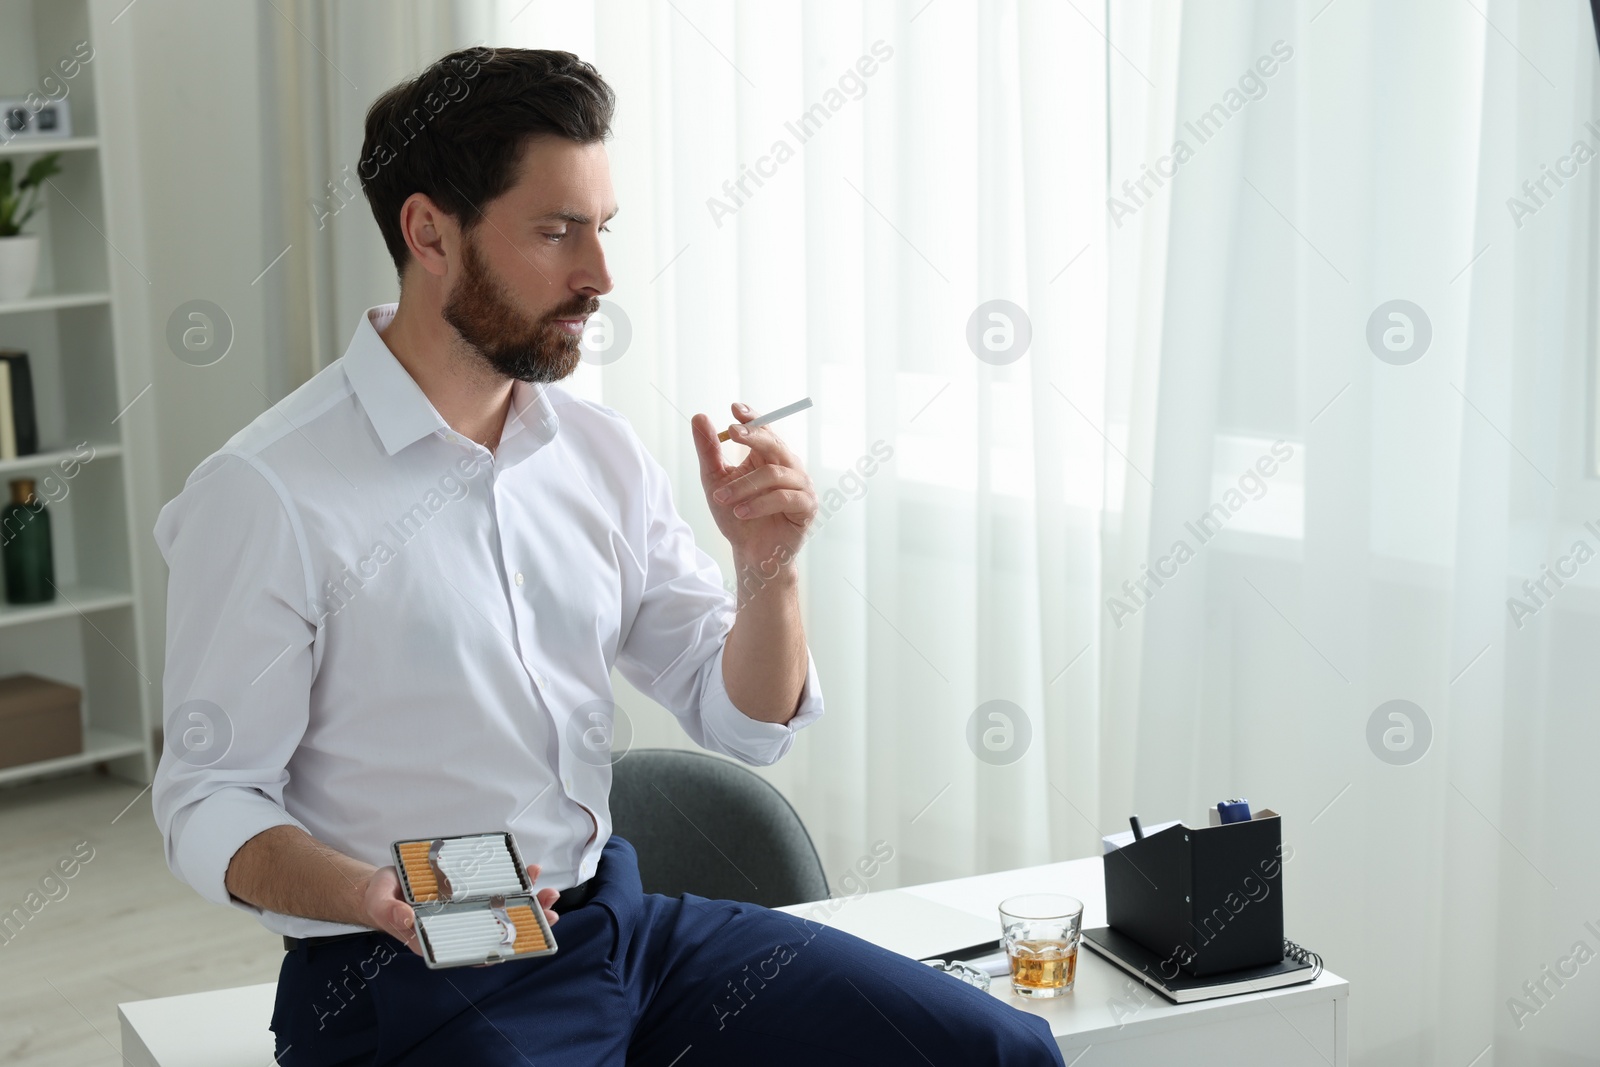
<point>1209,900</point>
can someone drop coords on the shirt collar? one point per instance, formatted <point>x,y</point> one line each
<point>530,423</point>
<point>401,412</point>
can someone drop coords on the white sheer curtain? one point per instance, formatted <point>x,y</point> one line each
<point>1211,323</point>
<point>966,167</point>
<point>1376,163</point>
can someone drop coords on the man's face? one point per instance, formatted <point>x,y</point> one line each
<point>532,268</point>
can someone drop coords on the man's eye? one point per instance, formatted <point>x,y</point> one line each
<point>555,238</point>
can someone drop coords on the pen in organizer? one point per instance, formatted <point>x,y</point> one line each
<point>772,416</point>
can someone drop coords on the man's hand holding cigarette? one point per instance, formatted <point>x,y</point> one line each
<point>764,505</point>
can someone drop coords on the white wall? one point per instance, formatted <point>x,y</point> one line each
<point>211,220</point>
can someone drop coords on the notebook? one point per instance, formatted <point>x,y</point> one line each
<point>900,921</point>
<point>1297,966</point>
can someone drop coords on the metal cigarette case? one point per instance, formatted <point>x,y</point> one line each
<point>473,900</point>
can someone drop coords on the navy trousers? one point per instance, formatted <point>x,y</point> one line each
<point>641,978</point>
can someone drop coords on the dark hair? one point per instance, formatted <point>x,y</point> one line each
<point>456,131</point>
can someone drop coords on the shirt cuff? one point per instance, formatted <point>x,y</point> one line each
<point>731,732</point>
<point>216,828</point>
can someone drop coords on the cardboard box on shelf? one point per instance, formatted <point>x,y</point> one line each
<point>39,719</point>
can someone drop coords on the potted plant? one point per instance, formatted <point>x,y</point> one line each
<point>19,252</point>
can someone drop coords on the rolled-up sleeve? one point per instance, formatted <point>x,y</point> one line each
<point>737,734</point>
<point>239,663</point>
<point>673,651</point>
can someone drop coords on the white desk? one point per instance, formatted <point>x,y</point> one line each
<point>1285,1028</point>
<point>219,1028</point>
<point>1107,1010</point>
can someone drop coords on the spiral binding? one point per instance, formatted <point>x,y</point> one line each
<point>1303,955</point>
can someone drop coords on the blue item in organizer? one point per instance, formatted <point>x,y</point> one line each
<point>1237,810</point>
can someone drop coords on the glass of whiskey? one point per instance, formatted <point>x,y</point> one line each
<point>1041,932</point>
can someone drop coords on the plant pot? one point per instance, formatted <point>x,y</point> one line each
<point>19,266</point>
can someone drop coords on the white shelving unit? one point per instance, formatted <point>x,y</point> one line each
<point>72,328</point>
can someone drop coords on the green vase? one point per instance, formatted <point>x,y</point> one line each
<point>25,546</point>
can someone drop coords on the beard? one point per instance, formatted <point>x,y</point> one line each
<point>505,340</point>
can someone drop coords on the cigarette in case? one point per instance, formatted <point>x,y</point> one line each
<point>473,900</point>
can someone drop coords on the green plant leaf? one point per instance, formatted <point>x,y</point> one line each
<point>47,166</point>
<point>18,205</point>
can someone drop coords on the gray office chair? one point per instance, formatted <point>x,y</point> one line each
<point>711,827</point>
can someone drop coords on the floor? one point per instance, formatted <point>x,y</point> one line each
<point>122,928</point>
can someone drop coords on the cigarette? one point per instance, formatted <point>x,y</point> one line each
<point>773,416</point>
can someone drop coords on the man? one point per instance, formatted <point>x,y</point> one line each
<point>395,602</point>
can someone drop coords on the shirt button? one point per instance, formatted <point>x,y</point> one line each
<point>517,577</point>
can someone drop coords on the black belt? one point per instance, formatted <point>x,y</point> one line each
<point>576,897</point>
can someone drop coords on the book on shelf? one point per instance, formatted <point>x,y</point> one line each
<point>8,429</point>
<point>19,421</point>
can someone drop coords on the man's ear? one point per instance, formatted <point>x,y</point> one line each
<point>430,232</point>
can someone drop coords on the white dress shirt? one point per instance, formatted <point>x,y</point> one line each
<point>379,630</point>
